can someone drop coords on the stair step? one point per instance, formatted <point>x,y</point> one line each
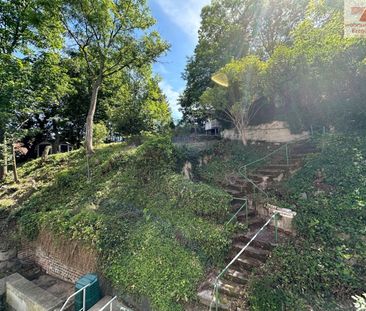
<point>254,222</point>
<point>256,243</point>
<point>101,303</point>
<point>230,289</point>
<point>257,177</point>
<point>242,216</point>
<point>255,252</point>
<point>116,305</point>
<point>279,166</point>
<point>206,298</point>
<point>271,173</point>
<point>240,277</point>
<point>247,263</point>
<point>234,192</point>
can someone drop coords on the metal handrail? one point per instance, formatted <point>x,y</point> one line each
<point>216,284</point>
<point>109,303</point>
<point>268,155</point>
<point>239,210</point>
<point>83,289</point>
<point>215,299</point>
<point>285,146</point>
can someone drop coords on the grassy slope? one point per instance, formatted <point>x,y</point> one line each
<point>325,266</point>
<point>156,232</point>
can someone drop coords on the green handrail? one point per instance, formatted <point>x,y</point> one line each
<point>239,210</point>
<point>274,216</point>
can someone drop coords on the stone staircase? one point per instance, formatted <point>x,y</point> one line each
<point>232,286</point>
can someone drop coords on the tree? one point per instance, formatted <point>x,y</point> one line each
<point>111,35</point>
<point>24,29</point>
<point>231,29</point>
<point>275,24</point>
<point>224,34</point>
<point>244,87</point>
<point>317,80</point>
<point>138,104</point>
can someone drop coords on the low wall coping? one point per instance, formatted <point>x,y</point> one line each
<point>21,291</point>
<point>284,212</point>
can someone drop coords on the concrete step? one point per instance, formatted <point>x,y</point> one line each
<point>235,192</point>
<point>230,288</point>
<point>101,303</point>
<point>239,277</point>
<point>207,298</point>
<point>278,166</point>
<point>247,263</point>
<point>116,305</point>
<point>254,222</point>
<point>257,178</point>
<point>252,251</point>
<point>244,238</point>
<point>242,216</point>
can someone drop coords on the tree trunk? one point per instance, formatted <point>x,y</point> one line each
<point>243,136</point>
<point>90,117</point>
<point>5,158</point>
<point>56,144</point>
<point>15,171</point>
<point>46,153</point>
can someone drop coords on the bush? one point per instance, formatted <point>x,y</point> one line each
<point>327,262</point>
<point>154,158</point>
<point>156,267</point>
<point>100,133</point>
<point>202,199</point>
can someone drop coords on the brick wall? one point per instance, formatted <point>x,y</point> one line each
<point>66,261</point>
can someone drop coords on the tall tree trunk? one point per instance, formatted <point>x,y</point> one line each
<point>5,158</point>
<point>241,127</point>
<point>90,117</point>
<point>15,170</point>
<point>243,136</point>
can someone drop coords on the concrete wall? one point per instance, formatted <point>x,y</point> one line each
<point>275,132</point>
<point>23,295</point>
<point>284,221</point>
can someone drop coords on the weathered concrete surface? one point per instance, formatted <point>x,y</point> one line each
<point>284,221</point>
<point>23,295</point>
<point>2,286</point>
<point>275,132</point>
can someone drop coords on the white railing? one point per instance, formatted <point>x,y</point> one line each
<point>73,295</point>
<point>215,301</point>
<point>109,303</point>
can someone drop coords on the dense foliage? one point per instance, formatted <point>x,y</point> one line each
<point>59,59</point>
<point>232,29</point>
<point>325,266</point>
<point>311,74</point>
<point>156,232</point>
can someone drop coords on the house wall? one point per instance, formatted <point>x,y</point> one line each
<point>275,132</point>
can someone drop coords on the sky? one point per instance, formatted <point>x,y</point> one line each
<point>178,22</point>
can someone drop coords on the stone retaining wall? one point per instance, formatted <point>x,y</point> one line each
<point>275,132</point>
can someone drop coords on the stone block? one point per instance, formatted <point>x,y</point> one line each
<point>284,221</point>
<point>24,295</point>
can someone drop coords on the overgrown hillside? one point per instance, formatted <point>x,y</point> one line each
<point>326,264</point>
<point>156,233</point>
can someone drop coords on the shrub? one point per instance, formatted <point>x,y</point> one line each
<point>100,133</point>
<point>154,158</point>
<point>202,199</point>
<point>156,267</point>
